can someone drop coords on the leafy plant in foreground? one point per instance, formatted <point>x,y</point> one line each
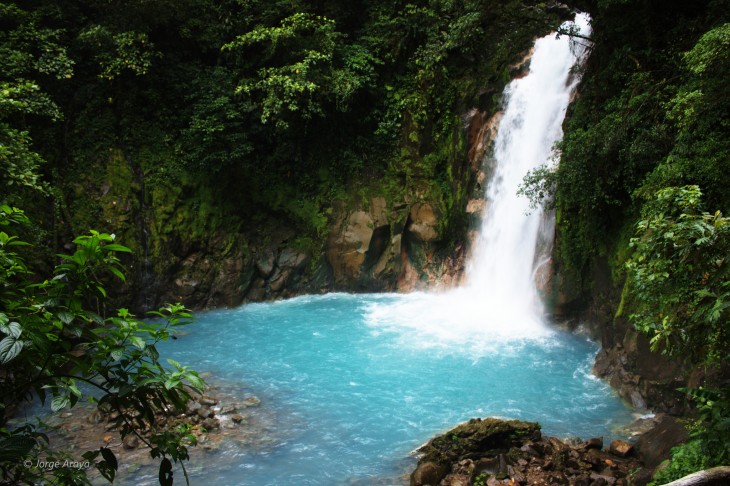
<point>57,333</point>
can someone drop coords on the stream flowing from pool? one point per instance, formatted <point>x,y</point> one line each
<point>351,384</point>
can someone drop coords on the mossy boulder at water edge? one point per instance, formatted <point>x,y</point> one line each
<point>471,440</point>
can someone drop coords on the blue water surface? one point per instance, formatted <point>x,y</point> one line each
<point>352,399</point>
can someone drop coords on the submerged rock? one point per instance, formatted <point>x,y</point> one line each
<point>251,402</point>
<point>130,442</point>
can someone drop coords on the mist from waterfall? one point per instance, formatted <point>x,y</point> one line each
<point>499,300</point>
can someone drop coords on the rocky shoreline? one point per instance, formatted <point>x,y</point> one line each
<point>491,452</point>
<point>221,420</point>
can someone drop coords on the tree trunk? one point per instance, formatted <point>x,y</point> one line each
<point>717,476</point>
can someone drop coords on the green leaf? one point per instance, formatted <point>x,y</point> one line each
<point>107,467</point>
<point>117,247</point>
<point>174,363</point>
<point>13,329</point>
<point>165,474</point>
<point>109,457</point>
<point>137,342</point>
<point>74,389</point>
<point>14,448</point>
<point>60,402</point>
<point>195,381</point>
<point>118,274</point>
<point>172,383</point>
<point>65,317</point>
<point>117,353</point>
<point>10,348</point>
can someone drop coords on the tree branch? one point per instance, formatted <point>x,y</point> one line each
<point>570,33</point>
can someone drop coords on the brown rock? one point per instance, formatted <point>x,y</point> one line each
<point>423,222</point>
<point>130,442</point>
<point>602,479</point>
<point>228,410</point>
<point>291,258</point>
<point>426,473</point>
<point>620,448</point>
<point>251,402</point>
<point>204,412</point>
<point>347,245</point>
<point>456,480</point>
<point>594,443</point>
<point>193,407</point>
<point>654,446</point>
<point>211,424</point>
<point>582,481</point>
<point>95,417</point>
<point>208,401</point>
<point>265,263</point>
<point>476,206</point>
<point>279,279</point>
<point>487,465</point>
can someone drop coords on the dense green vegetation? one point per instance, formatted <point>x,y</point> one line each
<point>166,122</point>
<point>253,109</point>
<point>60,340</point>
<point>642,185</point>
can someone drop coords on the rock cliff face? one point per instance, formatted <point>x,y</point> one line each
<point>191,250</point>
<point>390,247</point>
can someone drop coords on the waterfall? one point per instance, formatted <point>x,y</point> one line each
<point>499,300</point>
<point>502,268</point>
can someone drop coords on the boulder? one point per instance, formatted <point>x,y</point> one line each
<point>278,279</point>
<point>238,418</point>
<point>251,402</point>
<point>208,401</point>
<point>291,259</point>
<point>620,448</point>
<point>427,473</point>
<point>130,442</point>
<point>211,424</point>
<point>347,245</point>
<point>594,443</point>
<point>655,445</point>
<point>204,412</point>
<point>477,438</point>
<point>476,206</point>
<point>193,407</point>
<point>423,221</point>
<point>265,263</point>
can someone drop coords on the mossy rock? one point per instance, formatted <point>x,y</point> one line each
<point>478,438</point>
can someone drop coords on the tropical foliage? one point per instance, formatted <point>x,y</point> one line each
<point>60,343</point>
<point>642,189</point>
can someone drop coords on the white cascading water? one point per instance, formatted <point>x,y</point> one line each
<point>499,300</point>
